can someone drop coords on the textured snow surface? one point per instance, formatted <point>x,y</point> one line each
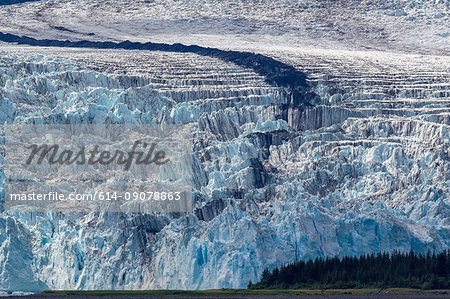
<point>366,169</point>
<point>405,25</point>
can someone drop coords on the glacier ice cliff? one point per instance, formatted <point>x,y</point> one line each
<point>365,168</point>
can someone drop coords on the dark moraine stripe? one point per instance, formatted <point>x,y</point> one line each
<point>275,72</point>
<point>10,2</point>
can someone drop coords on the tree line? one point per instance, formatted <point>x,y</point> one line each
<point>382,270</point>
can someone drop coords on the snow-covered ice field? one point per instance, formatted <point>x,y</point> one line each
<point>364,168</point>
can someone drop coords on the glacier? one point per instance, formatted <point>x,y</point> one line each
<point>364,167</point>
<point>418,26</point>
